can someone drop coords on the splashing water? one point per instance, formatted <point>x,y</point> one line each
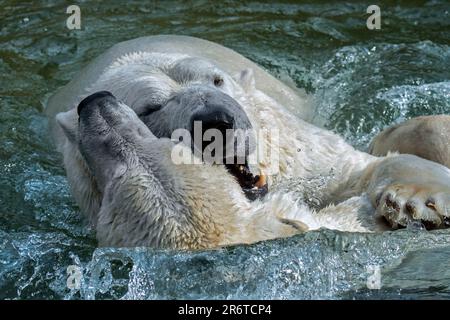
<point>360,81</point>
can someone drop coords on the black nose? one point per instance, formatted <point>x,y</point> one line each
<point>219,119</point>
<point>93,98</point>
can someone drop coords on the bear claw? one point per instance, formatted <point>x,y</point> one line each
<point>402,205</point>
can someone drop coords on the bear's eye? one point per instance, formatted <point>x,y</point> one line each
<point>218,81</point>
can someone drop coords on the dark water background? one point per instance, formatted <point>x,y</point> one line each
<point>360,80</point>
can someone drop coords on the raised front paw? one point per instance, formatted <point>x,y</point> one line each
<point>406,189</point>
<point>401,204</point>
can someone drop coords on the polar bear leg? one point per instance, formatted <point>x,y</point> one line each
<point>406,188</point>
<point>426,137</point>
<point>353,215</point>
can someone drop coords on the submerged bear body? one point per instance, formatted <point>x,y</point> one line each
<point>115,123</point>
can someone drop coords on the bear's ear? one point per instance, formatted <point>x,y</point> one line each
<point>68,121</point>
<point>246,80</point>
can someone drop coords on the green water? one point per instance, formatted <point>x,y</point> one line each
<point>359,80</point>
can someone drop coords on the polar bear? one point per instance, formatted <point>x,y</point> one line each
<point>426,137</point>
<point>114,126</point>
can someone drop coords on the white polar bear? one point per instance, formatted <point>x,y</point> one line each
<point>119,157</point>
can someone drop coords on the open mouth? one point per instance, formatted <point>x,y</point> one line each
<point>254,186</point>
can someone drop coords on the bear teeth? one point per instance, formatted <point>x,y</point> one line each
<point>261,182</point>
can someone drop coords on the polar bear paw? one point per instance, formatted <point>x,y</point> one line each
<point>406,189</point>
<point>403,204</point>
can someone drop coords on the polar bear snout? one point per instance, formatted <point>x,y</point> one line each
<point>217,109</point>
<point>197,103</point>
<point>110,134</point>
<point>213,118</point>
<point>100,112</point>
<point>217,120</point>
<point>218,114</point>
<point>91,99</point>
<point>97,112</point>
<point>204,113</point>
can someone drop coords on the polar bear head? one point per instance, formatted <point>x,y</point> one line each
<point>145,199</point>
<point>148,200</point>
<point>170,92</point>
<point>167,92</point>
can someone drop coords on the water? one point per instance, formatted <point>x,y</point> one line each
<point>360,81</point>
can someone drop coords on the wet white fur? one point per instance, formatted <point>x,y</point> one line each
<point>323,182</point>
